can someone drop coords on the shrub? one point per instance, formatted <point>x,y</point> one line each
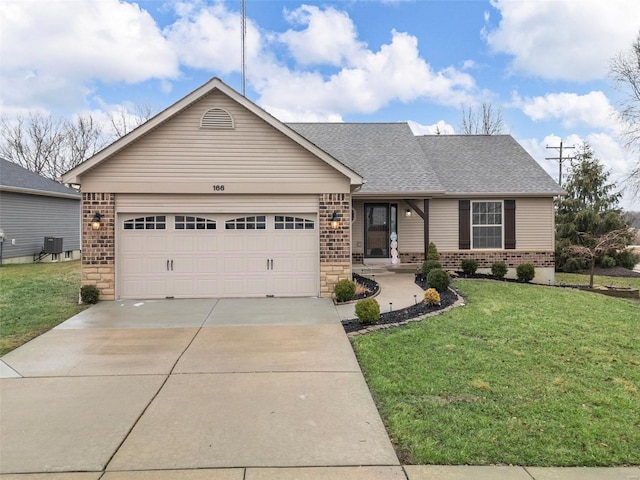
<point>431,296</point>
<point>438,279</point>
<point>344,290</point>
<point>368,310</point>
<point>574,264</point>
<point>432,252</point>
<point>525,272</point>
<point>430,265</point>
<point>499,270</point>
<point>607,262</point>
<point>627,259</point>
<point>469,266</point>
<point>89,294</point>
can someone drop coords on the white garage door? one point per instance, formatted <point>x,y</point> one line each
<point>208,255</point>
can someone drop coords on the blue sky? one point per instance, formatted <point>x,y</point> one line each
<point>543,62</point>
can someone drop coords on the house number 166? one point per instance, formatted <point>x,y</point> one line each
<point>218,188</point>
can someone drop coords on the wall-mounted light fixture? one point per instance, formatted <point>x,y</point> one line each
<point>95,222</point>
<point>335,221</point>
<point>407,212</point>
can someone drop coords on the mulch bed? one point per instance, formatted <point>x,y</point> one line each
<point>613,272</point>
<point>446,299</point>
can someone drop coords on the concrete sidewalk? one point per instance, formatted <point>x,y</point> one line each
<point>397,290</point>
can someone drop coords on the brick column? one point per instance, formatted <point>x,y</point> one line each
<point>98,246</point>
<point>335,244</point>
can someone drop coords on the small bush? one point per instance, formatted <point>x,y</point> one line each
<point>431,296</point>
<point>89,294</point>
<point>430,265</point>
<point>344,290</point>
<point>432,252</point>
<point>607,262</point>
<point>627,259</point>
<point>574,264</point>
<point>469,266</point>
<point>368,310</point>
<point>525,272</point>
<point>499,270</point>
<point>438,279</point>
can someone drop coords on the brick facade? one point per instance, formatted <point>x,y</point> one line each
<point>335,244</point>
<point>486,258</point>
<point>98,246</point>
<point>513,258</point>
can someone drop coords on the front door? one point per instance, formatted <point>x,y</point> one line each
<point>380,221</point>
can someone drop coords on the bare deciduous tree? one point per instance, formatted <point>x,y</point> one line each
<point>35,142</point>
<point>123,120</point>
<point>484,120</point>
<point>595,247</point>
<point>50,146</point>
<point>624,69</point>
<point>84,138</point>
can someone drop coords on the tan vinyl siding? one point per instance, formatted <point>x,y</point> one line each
<point>443,223</point>
<point>410,229</point>
<point>181,157</point>
<point>162,203</point>
<point>534,224</point>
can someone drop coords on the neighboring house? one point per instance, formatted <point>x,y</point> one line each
<point>33,208</point>
<point>214,197</point>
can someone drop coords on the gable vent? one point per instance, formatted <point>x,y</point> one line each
<point>218,119</point>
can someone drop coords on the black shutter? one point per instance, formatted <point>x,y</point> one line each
<point>509,224</point>
<point>464,225</point>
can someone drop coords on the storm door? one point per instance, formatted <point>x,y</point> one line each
<point>380,220</point>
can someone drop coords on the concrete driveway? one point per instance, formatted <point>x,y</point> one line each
<point>221,389</point>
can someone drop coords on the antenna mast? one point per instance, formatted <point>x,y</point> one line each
<point>243,47</point>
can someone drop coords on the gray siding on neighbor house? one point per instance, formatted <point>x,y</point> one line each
<point>29,218</point>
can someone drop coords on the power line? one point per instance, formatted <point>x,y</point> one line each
<point>560,159</point>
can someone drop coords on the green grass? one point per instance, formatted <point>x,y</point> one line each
<point>35,298</point>
<point>598,280</point>
<point>523,375</point>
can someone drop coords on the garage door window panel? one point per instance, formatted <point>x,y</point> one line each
<point>282,222</point>
<point>157,222</point>
<point>186,222</point>
<point>259,222</point>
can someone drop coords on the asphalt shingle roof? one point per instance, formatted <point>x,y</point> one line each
<point>385,154</point>
<point>485,164</point>
<point>392,159</point>
<point>13,175</point>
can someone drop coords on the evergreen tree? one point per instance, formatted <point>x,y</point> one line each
<point>589,211</point>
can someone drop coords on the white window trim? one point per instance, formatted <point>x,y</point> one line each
<point>501,202</point>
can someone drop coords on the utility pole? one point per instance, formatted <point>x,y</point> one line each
<point>560,159</point>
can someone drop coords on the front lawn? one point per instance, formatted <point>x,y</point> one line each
<point>598,280</point>
<point>35,298</point>
<point>523,375</point>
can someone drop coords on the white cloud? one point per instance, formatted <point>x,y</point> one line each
<point>439,128</point>
<point>55,49</point>
<point>208,37</point>
<point>564,39</point>
<point>593,109</point>
<point>369,82</point>
<point>330,37</point>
